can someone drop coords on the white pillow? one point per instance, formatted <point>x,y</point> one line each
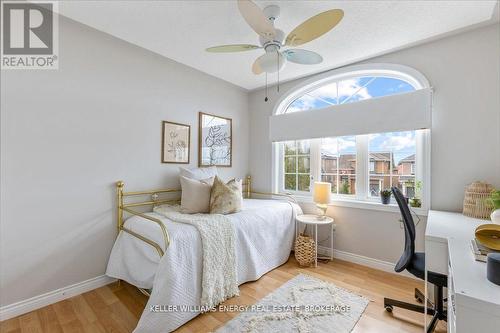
<point>198,173</point>
<point>195,197</point>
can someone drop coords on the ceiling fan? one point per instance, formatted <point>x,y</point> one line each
<point>272,40</point>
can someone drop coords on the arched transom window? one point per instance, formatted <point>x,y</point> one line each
<point>348,91</point>
<point>361,165</point>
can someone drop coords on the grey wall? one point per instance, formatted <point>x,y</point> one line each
<point>464,71</point>
<point>66,137</point>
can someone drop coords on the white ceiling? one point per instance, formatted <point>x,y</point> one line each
<point>182,30</point>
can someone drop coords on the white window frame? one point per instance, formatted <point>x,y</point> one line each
<point>362,198</point>
<point>282,175</point>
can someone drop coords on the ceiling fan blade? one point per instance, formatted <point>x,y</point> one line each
<point>256,19</point>
<point>256,68</point>
<point>232,48</point>
<point>314,27</point>
<point>303,57</point>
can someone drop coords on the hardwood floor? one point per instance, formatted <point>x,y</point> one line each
<point>117,307</point>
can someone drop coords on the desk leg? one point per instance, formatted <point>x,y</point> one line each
<point>425,298</point>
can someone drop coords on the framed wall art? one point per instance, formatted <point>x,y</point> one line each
<point>214,141</point>
<point>175,142</point>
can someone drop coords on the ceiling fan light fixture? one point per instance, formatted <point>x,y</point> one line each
<point>269,62</point>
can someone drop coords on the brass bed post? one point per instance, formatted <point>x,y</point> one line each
<point>249,182</point>
<point>119,199</point>
<point>119,204</point>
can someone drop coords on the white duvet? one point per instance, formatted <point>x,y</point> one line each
<point>264,235</point>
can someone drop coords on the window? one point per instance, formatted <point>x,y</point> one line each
<point>357,166</point>
<point>372,166</point>
<point>338,164</point>
<point>297,170</point>
<point>384,160</point>
<point>348,91</point>
<point>393,156</point>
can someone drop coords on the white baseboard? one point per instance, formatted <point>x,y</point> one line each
<point>362,260</point>
<point>37,302</point>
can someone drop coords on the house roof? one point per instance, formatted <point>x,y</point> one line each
<point>344,161</point>
<point>410,158</point>
<point>380,156</point>
<point>384,156</point>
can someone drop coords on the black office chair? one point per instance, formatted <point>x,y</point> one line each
<point>414,262</point>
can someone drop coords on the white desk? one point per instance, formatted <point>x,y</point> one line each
<point>473,301</point>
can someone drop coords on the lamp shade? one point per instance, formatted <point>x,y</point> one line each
<point>322,191</point>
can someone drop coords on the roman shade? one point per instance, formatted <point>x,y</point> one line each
<point>395,113</point>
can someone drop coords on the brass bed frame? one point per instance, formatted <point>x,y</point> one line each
<point>127,207</point>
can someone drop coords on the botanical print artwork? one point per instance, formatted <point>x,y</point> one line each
<point>215,140</point>
<point>175,143</point>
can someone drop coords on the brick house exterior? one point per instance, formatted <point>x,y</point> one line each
<point>380,170</point>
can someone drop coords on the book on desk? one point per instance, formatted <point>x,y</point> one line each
<point>480,251</point>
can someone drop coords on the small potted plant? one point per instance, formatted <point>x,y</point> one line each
<point>385,196</point>
<point>495,202</point>
<point>416,201</point>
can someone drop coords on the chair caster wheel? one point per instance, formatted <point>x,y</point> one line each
<point>388,308</point>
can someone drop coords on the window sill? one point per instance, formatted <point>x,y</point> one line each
<point>369,205</point>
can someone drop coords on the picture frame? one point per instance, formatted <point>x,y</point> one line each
<point>175,143</point>
<point>215,140</point>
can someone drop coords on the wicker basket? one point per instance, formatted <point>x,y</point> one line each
<point>305,250</point>
<point>476,202</point>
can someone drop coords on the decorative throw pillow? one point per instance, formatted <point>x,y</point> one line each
<point>198,173</point>
<point>195,197</point>
<point>226,198</point>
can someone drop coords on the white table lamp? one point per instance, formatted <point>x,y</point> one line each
<point>322,191</point>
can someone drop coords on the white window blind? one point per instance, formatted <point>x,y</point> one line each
<point>395,113</point>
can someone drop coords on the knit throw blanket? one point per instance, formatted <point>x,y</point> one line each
<point>219,280</point>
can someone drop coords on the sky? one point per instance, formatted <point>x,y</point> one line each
<point>350,90</point>
<point>402,144</point>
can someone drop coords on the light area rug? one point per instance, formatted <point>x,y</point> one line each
<point>303,304</point>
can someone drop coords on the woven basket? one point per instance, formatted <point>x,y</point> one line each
<point>305,250</point>
<point>476,203</point>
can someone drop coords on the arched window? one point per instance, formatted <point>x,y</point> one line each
<point>349,90</point>
<point>362,128</point>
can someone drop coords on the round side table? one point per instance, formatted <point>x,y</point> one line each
<point>316,220</point>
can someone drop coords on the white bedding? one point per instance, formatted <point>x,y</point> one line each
<point>219,279</point>
<point>264,236</point>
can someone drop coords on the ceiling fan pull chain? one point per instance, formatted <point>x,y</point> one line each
<point>266,99</point>
<point>278,67</point>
